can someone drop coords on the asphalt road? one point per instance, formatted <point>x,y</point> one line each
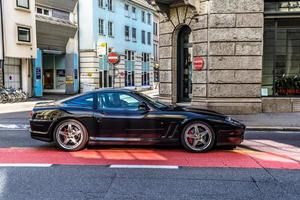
<point>80,178</point>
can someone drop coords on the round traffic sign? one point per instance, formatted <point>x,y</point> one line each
<point>113,58</point>
<point>198,63</point>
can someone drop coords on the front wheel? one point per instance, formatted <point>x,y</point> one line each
<point>198,137</point>
<point>71,135</point>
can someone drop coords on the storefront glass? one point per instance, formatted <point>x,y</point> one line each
<point>54,72</point>
<point>281,67</point>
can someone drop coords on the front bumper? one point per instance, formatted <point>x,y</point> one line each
<point>234,136</point>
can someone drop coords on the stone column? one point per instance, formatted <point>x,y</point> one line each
<point>234,64</point>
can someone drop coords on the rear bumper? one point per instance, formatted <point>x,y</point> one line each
<point>40,130</point>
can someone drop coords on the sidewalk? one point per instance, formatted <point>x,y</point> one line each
<point>271,121</point>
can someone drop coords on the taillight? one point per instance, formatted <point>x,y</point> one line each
<point>30,114</point>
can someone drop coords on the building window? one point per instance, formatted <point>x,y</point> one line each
<point>145,69</point>
<point>101,27</point>
<point>105,77</point>
<point>134,34</point>
<point>110,5</point>
<point>143,16</point>
<point>281,60</point>
<point>43,11</point>
<point>23,4</point>
<point>155,52</point>
<point>155,28</point>
<point>129,68</point>
<point>149,18</point>
<point>143,37</point>
<point>126,8</point>
<point>127,34</point>
<point>133,10</point>
<point>101,3</point>
<point>149,38</point>
<point>24,34</point>
<point>110,29</point>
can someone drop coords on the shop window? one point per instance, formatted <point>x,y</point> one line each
<point>106,78</point>
<point>23,4</point>
<point>145,69</point>
<point>24,34</point>
<point>282,6</point>
<point>129,68</point>
<point>281,62</point>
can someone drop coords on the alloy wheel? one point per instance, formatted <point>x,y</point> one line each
<point>70,135</point>
<point>198,137</point>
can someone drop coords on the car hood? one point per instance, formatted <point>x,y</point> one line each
<point>198,111</point>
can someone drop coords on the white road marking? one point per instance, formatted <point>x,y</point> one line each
<point>143,167</point>
<point>24,165</point>
<point>5,127</point>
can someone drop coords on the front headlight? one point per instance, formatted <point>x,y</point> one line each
<point>229,119</point>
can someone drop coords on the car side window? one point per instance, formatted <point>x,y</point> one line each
<point>117,101</point>
<point>86,101</point>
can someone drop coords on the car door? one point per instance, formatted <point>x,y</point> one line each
<point>119,116</point>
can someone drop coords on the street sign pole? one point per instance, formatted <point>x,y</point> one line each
<point>113,59</point>
<point>114,75</point>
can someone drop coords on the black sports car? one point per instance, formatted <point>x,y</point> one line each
<point>125,116</point>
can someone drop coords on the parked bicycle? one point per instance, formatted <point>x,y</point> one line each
<point>11,95</point>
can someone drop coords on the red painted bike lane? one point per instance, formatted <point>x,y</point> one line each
<point>240,158</point>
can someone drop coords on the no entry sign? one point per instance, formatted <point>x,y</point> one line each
<point>198,63</point>
<point>113,58</point>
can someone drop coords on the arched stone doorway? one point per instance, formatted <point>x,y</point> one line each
<point>184,65</point>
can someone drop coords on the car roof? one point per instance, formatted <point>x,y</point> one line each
<point>97,90</point>
<point>113,90</point>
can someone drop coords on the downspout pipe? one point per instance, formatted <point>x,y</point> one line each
<point>3,49</point>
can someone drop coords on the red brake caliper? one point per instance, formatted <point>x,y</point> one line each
<point>190,140</point>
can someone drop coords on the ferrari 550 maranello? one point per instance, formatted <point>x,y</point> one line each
<point>128,117</point>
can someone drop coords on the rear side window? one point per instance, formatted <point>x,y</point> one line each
<point>86,101</point>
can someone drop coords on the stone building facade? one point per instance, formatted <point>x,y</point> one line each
<point>228,35</point>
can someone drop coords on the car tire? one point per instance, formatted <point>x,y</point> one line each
<point>71,135</point>
<point>198,137</point>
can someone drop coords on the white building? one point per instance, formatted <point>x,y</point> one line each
<point>19,42</point>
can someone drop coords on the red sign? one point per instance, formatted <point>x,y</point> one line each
<point>113,58</point>
<point>198,63</point>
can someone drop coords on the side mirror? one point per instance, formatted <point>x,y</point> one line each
<point>144,107</point>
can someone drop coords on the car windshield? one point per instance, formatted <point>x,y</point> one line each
<point>154,102</point>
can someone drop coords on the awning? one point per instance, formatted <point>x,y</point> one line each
<point>54,33</point>
<point>66,5</point>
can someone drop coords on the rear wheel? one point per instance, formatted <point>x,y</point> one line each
<point>71,135</point>
<point>198,137</point>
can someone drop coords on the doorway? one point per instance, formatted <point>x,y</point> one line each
<point>184,65</point>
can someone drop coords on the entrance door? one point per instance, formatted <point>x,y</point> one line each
<point>184,65</point>
<point>48,79</point>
